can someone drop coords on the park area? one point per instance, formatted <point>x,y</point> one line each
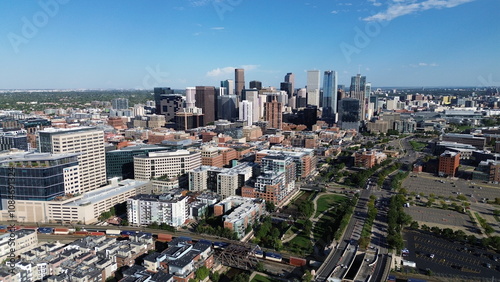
<point>318,218</point>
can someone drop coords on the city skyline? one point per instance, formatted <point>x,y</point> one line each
<point>56,44</point>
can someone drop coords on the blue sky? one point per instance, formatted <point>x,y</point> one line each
<point>62,44</point>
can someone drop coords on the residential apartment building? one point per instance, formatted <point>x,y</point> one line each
<point>224,181</point>
<point>305,160</point>
<point>171,209</point>
<point>246,211</point>
<point>276,183</point>
<point>24,240</point>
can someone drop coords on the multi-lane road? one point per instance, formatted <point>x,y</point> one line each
<point>340,260</point>
<point>332,261</point>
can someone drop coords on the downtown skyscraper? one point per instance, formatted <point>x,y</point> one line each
<point>239,78</point>
<point>313,87</point>
<point>205,99</point>
<point>360,90</point>
<point>290,77</point>
<point>330,96</point>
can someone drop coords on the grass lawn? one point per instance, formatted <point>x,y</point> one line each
<point>320,228</point>
<point>260,278</point>
<point>326,201</point>
<point>417,146</point>
<point>300,245</point>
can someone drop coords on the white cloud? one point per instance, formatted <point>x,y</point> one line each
<point>400,8</point>
<point>221,71</point>
<point>375,3</point>
<point>334,12</point>
<point>217,28</point>
<point>249,67</point>
<point>229,70</point>
<point>421,64</point>
<point>199,3</point>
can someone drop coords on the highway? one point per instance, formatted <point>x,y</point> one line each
<point>335,256</point>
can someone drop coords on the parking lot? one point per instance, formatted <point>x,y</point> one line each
<point>448,190</point>
<point>428,184</point>
<point>445,257</point>
<point>435,216</point>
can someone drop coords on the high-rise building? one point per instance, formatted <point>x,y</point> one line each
<point>360,90</point>
<point>246,113</point>
<point>349,112</point>
<point>273,113</point>
<point>330,96</point>
<point>276,182</point>
<point>190,97</point>
<point>89,142</point>
<point>158,91</point>
<point>205,99</point>
<point>287,86</point>
<point>228,85</point>
<point>38,176</point>
<point>255,84</point>
<point>253,97</point>
<point>301,98</point>
<point>119,104</point>
<point>170,104</point>
<point>227,107</point>
<point>313,87</point>
<point>239,78</point>
<point>290,77</point>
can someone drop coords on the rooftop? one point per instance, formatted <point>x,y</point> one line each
<point>106,192</point>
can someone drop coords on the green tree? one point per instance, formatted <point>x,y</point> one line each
<point>307,276</point>
<point>202,272</point>
<point>259,267</point>
<point>270,207</point>
<point>214,276</point>
<point>242,277</point>
<point>414,225</point>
